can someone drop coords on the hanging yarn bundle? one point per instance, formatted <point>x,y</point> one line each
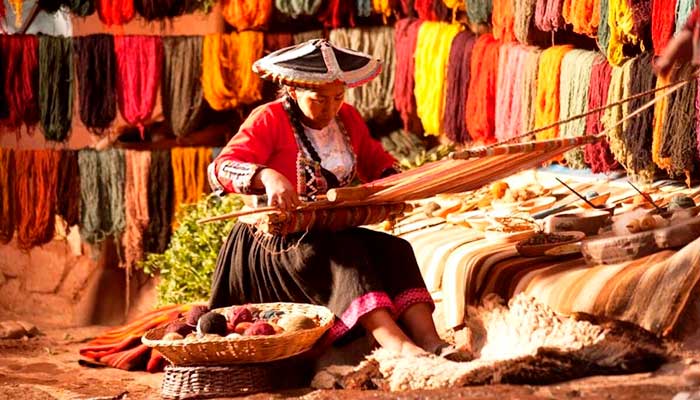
<point>442,12</point>
<point>548,15</point>
<point>514,88</point>
<point>373,100</point>
<point>406,35</point>
<point>20,56</point>
<point>2,10</point>
<point>68,188</point>
<point>96,68</point>
<point>17,8</point>
<point>81,8</point>
<point>276,41</point>
<point>480,111</point>
<point>36,173</point>
<point>301,37</point>
<point>575,81</point>
<point>115,12</point>
<point>479,11</point>
<point>432,53</point>
<point>424,10</point>
<point>598,154</point>
<point>613,114</point>
<point>453,119</point>
<point>503,19</point>
<point>683,10</point>
<point>583,15</point>
<point>247,14</point>
<point>548,80</point>
<point>102,176</point>
<point>337,14</point>
<point>385,8</point>
<point>136,205</point>
<point>297,8</point>
<point>55,86</point>
<point>623,31</point>
<point>603,37</point>
<point>139,66</point>
<point>153,10</point>
<point>160,202</point>
<point>674,140</point>
<point>637,132</point>
<point>228,79</point>
<point>189,166</point>
<point>663,18</point>
<point>364,8</point>
<point>182,95</point>
<point>50,6</point>
<point>8,202</point>
<point>530,72</point>
<point>523,19</point>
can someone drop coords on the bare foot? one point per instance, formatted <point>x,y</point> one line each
<point>410,349</point>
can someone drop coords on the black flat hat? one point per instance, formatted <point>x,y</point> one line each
<point>316,63</point>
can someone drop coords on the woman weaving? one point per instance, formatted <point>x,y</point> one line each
<point>300,146</point>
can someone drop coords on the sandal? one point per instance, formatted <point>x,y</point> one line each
<point>451,353</point>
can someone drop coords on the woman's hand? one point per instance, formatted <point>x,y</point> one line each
<point>280,192</point>
<point>678,51</point>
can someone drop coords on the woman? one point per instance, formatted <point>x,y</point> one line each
<point>300,146</point>
<point>684,47</point>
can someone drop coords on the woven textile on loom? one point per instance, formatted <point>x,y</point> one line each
<point>331,219</point>
<point>651,291</point>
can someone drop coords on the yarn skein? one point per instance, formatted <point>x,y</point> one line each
<point>406,35</point>
<point>8,202</point>
<point>683,10</point>
<point>364,8</point>
<point>154,10</point>
<point>81,8</point>
<point>598,154</point>
<point>548,15</point>
<point>529,89</point>
<point>622,31</point>
<point>102,177</point>
<point>96,68</point>
<point>136,205</point>
<point>603,37</point>
<point>228,79</point>
<point>68,188</point>
<point>507,58</point>
<point>20,66</point>
<point>160,202</point>
<point>373,100</point>
<point>55,86</point>
<point>139,66</point>
<point>523,19</point>
<point>297,8</point>
<point>479,11</point>
<point>637,133</point>
<point>432,53</point>
<point>189,166</point>
<point>458,74</point>
<point>481,103</point>
<point>182,95</point>
<point>247,14</point>
<point>337,14</point>
<point>663,18</point>
<point>503,19</point>
<point>548,83</point>
<point>115,12</point>
<point>583,15</point>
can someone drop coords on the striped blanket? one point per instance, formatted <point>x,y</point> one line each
<point>651,292</point>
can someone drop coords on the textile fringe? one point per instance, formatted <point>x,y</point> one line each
<point>182,94</point>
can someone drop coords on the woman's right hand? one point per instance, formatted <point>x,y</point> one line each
<point>280,192</point>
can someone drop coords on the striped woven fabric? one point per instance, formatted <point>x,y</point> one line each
<point>651,292</point>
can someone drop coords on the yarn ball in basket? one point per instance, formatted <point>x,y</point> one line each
<point>260,328</point>
<point>172,336</point>
<point>179,327</point>
<point>212,323</point>
<point>194,314</point>
<point>241,327</point>
<point>293,323</point>
<point>679,202</point>
<point>236,315</point>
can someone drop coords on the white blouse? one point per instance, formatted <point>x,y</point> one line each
<point>331,145</point>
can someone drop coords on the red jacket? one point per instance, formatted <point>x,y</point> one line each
<point>266,139</point>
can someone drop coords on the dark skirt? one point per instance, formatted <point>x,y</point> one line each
<point>352,272</point>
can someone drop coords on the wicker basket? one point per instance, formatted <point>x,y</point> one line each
<point>201,382</point>
<point>245,349</point>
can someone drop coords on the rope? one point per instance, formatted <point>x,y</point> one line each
<point>136,205</point>
<point>68,188</point>
<point>247,14</point>
<point>374,99</point>
<point>453,119</point>
<point>8,202</point>
<point>548,79</point>
<point>115,12</point>
<point>96,68</point>
<point>663,15</point>
<point>55,86</point>
<point>102,176</point>
<point>432,53</point>
<point>228,79</point>
<point>35,185</point>
<point>575,81</point>
<point>160,201</point>
<point>406,36</point>
<point>297,8</point>
<point>139,65</point>
<point>189,166</point>
<point>182,96</point>
<point>19,53</point>
<point>481,102</point>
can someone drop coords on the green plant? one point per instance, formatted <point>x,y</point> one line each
<point>186,267</point>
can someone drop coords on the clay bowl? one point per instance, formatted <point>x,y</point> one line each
<point>526,249</point>
<point>588,222</point>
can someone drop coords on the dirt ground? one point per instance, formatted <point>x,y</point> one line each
<point>46,367</point>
